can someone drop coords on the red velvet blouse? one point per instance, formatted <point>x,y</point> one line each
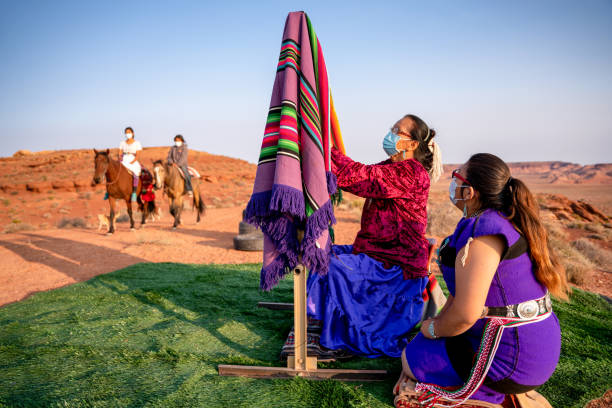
<point>394,216</point>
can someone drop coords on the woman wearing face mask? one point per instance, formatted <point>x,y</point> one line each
<point>372,295</point>
<point>178,156</point>
<point>129,150</point>
<point>496,334</point>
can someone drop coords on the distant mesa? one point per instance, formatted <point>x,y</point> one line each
<point>72,171</point>
<point>21,153</point>
<point>565,209</point>
<point>555,172</point>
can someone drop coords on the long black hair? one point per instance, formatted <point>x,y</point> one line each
<point>490,177</point>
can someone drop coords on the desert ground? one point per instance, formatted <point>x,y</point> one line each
<point>51,236</point>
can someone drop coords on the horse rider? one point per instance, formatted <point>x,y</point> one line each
<point>129,150</point>
<point>178,156</point>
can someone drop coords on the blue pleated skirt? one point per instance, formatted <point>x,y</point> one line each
<point>364,307</point>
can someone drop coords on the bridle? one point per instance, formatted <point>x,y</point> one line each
<point>110,183</point>
<point>156,170</point>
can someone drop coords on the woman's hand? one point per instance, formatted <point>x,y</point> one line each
<point>425,329</point>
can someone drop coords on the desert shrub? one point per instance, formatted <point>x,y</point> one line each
<point>85,196</point>
<point>356,204</point>
<point>577,273</point>
<point>76,222</point>
<point>597,237</point>
<point>16,227</point>
<point>6,202</point>
<point>593,227</point>
<point>442,218</point>
<point>577,267</point>
<point>599,256</point>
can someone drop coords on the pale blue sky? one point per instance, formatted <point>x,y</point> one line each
<point>527,80</point>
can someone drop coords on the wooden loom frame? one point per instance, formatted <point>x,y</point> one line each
<point>300,364</point>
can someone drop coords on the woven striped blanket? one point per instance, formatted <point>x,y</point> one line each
<point>293,184</point>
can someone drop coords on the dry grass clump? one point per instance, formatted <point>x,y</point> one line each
<point>599,256</point>
<point>143,239</point>
<point>76,222</point>
<point>577,267</point>
<point>17,227</point>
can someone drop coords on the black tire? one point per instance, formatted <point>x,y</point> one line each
<point>244,228</point>
<point>249,242</point>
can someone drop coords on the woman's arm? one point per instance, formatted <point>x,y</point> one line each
<point>389,180</point>
<point>472,286</point>
<point>136,156</point>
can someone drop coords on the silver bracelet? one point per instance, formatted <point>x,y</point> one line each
<point>431,329</point>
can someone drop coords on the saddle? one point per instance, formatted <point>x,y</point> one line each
<point>146,178</point>
<point>192,172</point>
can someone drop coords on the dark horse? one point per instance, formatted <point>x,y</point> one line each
<point>119,187</point>
<point>169,178</point>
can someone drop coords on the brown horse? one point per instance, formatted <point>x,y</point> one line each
<point>119,187</point>
<point>169,178</point>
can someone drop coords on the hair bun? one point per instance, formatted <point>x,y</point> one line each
<point>432,134</point>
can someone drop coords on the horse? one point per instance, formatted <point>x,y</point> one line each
<point>119,187</point>
<point>169,178</point>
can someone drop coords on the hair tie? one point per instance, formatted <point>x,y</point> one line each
<point>427,136</point>
<point>509,182</point>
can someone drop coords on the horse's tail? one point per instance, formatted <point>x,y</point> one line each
<point>201,206</point>
<point>147,207</point>
<point>151,207</point>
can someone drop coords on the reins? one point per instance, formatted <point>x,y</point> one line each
<point>118,173</point>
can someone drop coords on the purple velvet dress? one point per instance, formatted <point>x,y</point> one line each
<point>372,295</point>
<point>527,355</point>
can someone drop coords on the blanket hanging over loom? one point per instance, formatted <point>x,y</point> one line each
<point>294,182</point>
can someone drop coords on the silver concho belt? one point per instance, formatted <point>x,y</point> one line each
<point>524,310</point>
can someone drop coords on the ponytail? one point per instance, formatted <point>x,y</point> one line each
<point>523,212</point>
<point>490,177</point>
<point>427,152</point>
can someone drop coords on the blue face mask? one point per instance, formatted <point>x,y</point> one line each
<point>390,143</point>
<point>451,194</point>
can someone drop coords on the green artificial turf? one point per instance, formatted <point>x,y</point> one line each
<point>153,335</point>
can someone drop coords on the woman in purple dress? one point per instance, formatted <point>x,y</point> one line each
<point>372,295</point>
<point>497,334</point>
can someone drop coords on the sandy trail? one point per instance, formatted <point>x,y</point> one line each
<point>35,261</point>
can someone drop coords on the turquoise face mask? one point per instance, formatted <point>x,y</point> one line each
<point>390,143</point>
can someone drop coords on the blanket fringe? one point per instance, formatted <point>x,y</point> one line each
<point>315,258</point>
<point>257,208</point>
<point>273,273</point>
<point>288,200</point>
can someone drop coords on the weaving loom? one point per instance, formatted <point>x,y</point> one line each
<point>293,183</point>
<point>291,201</point>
